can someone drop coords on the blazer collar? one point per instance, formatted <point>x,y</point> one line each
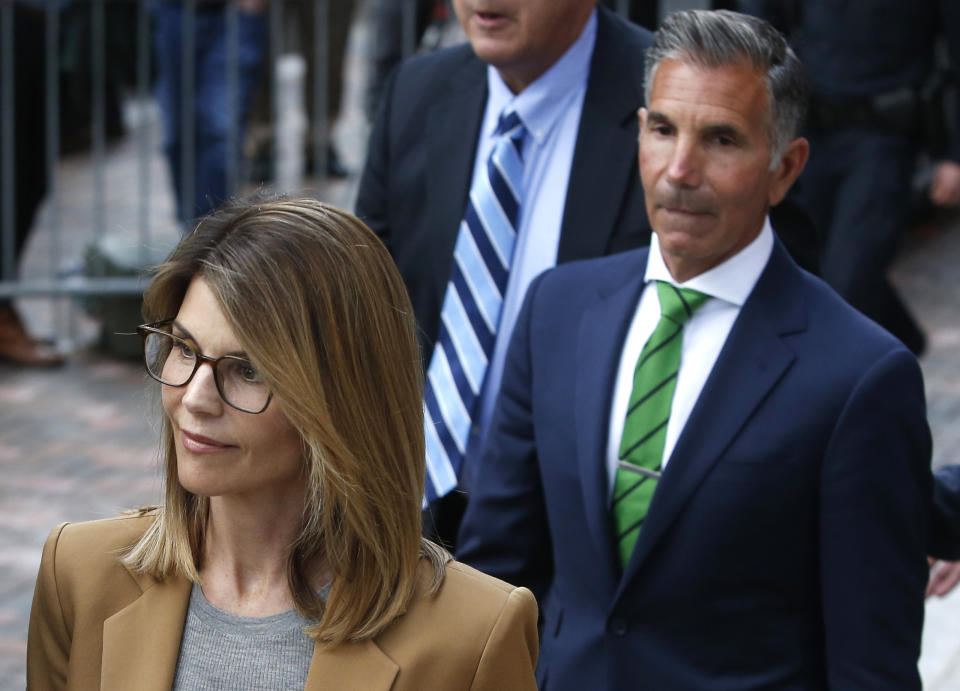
<point>141,644</point>
<point>600,339</point>
<point>362,666</point>
<point>752,361</point>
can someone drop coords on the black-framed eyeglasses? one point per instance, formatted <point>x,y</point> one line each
<point>173,361</point>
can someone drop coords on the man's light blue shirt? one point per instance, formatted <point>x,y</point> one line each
<point>550,109</point>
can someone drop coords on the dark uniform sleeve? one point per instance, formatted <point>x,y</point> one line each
<point>372,205</point>
<point>945,520</point>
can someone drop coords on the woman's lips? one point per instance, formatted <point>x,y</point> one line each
<point>197,443</point>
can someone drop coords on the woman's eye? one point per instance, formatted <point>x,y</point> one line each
<point>185,351</point>
<point>248,374</point>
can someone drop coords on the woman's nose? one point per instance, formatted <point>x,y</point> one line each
<point>200,393</point>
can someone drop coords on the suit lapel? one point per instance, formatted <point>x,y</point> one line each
<point>359,666</point>
<point>607,141</point>
<point>752,361</point>
<point>141,642</point>
<point>453,124</point>
<point>600,341</point>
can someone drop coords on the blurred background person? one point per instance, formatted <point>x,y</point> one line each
<point>870,64</point>
<point>559,81</point>
<point>300,30</point>
<point>29,184</point>
<point>288,552</point>
<point>217,109</point>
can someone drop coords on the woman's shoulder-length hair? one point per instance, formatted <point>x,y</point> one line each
<point>321,310</point>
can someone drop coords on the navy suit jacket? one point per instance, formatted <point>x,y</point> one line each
<point>945,522</point>
<point>414,187</point>
<point>784,547</point>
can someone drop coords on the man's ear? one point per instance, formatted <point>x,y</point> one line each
<point>641,117</point>
<point>789,169</point>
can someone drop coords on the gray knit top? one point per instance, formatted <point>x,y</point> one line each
<point>224,651</point>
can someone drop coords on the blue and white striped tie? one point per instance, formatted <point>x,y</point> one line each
<point>471,307</point>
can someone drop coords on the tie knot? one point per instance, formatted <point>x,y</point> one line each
<point>679,304</point>
<point>509,125</point>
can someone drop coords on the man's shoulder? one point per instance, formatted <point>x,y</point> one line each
<point>431,70</point>
<point>600,271</point>
<point>610,25</point>
<point>833,331</point>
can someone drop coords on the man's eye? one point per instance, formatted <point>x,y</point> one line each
<point>725,140</point>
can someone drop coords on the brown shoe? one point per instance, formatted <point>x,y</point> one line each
<point>17,347</point>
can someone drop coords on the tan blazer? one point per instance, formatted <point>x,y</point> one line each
<point>96,625</point>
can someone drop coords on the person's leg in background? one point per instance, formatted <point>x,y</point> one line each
<point>29,172</point>
<point>869,216</point>
<point>214,108</point>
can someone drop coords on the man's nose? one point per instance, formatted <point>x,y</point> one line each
<point>684,168</point>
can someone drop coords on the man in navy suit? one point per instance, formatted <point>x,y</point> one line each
<point>784,543</point>
<point>572,70</point>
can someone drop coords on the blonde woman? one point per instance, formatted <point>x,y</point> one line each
<point>287,553</point>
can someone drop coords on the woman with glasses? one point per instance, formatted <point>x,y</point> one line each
<point>287,553</point>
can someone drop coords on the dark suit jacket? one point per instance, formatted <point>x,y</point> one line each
<point>420,160</point>
<point>97,625</point>
<point>945,522</point>
<point>784,547</point>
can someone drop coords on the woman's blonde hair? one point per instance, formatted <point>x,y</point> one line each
<point>319,307</point>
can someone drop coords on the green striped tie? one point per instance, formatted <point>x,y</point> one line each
<point>645,427</point>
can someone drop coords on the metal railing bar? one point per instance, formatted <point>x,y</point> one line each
<point>409,18</point>
<point>321,83</point>
<point>276,46</point>
<point>52,146</point>
<point>98,122</point>
<point>143,138</point>
<point>232,93</point>
<point>76,285</point>
<point>187,84</point>
<point>7,194</point>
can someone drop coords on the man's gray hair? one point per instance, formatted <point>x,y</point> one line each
<point>719,38</point>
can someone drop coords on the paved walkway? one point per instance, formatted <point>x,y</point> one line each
<point>79,443</point>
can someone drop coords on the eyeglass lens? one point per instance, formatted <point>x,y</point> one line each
<point>172,361</point>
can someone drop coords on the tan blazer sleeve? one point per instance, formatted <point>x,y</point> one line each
<point>510,654</point>
<point>48,640</point>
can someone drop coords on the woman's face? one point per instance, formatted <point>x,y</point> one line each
<point>221,450</point>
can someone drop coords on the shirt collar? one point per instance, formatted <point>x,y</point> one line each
<point>543,101</point>
<point>731,280</point>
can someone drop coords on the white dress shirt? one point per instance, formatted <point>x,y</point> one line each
<point>550,109</point>
<point>728,284</point>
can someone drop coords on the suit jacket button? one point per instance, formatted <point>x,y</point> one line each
<point>617,626</point>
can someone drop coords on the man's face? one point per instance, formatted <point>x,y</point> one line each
<point>705,162</point>
<point>522,38</point>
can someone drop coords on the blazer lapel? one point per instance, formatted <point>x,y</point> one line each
<point>752,361</point>
<point>607,141</point>
<point>453,124</point>
<point>141,642</point>
<point>359,666</point>
<point>600,341</point>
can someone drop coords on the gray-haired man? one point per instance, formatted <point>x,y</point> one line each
<point>712,471</point>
